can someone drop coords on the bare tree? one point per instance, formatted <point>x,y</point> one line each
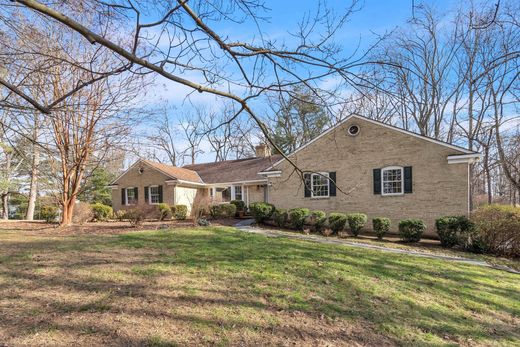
<point>240,71</point>
<point>163,137</point>
<point>192,136</point>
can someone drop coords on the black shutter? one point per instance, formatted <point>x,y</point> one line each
<point>332,183</point>
<point>160,194</point>
<point>146,194</point>
<point>377,181</point>
<point>407,179</point>
<point>307,185</point>
<point>136,197</point>
<point>123,200</point>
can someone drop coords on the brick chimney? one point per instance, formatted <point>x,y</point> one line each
<point>263,151</point>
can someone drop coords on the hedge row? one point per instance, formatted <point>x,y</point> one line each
<point>410,230</point>
<point>491,229</point>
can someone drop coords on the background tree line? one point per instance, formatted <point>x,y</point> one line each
<point>75,77</point>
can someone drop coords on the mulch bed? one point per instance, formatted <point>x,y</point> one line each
<point>96,228</point>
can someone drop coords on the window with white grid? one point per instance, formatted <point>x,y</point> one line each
<point>320,185</point>
<point>392,182</point>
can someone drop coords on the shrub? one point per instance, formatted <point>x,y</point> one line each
<point>356,221</point>
<point>280,217</point>
<point>164,211</point>
<point>135,216</point>
<point>179,212</point>
<point>496,230</point>
<point>297,217</point>
<point>337,221</point>
<point>151,211</point>
<point>318,219</point>
<point>327,232</point>
<point>261,211</point>
<point>101,212</point>
<point>241,205</point>
<point>381,226</point>
<point>411,230</point>
<point>222,210</point>
<point>120,215</point>
<point>451,228</point>
<point>49,213</point>
<point>82,213</point>
<point>203,222</point>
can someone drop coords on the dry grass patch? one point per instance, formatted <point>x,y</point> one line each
<point>207,286</point>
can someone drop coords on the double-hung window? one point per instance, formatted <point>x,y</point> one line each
<point>154,195</point>
<point>320,185</point>
<point>131,198</point>
<point>392,182</point>
<point>238,192</point>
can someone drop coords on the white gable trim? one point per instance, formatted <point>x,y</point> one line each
<point>134,165</point>
<point>376,123</point>
<point>464,158</point>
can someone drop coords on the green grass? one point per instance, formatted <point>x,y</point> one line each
<point>223,286</point>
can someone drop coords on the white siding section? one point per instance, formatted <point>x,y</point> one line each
<point>185,196</point>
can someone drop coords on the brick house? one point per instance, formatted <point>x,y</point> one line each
<point>360,165</point>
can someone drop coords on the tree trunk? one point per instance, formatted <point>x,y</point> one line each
<point>487,175</point>
<point>33,189</point>
<point>67,211</point>
<point>5,206</point>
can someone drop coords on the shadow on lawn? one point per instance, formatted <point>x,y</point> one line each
<point>251,273</point>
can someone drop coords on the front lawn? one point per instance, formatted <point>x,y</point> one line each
<point>222,286</point>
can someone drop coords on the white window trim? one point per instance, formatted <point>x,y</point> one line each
<point>383,180</point>
<point>326,174</point>
<point>126,196</point>
<point>234,193</point>
<point>150,195</point>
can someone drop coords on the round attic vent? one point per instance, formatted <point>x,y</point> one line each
<point>141,170</point>
<point>353,130</point>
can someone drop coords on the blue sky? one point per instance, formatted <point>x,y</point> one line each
<point>373,18</point>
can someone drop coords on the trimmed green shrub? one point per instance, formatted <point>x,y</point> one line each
<point>381,226</point>
<point>496,230</point>
<point>318,219</point>
<point>280,217</point>
<point>241,205</point>
<point>337,221</point>
<point>356,221</point>
<point>101,211</point>
<point>261,211</point>
<point>451,228</point>
<point>222,210</point>
<point>164,211</point>
<point>411,230</point>
<point>179,212</point>
<point>229,210</point>
<point>49,213</point>
<point>297,217</point>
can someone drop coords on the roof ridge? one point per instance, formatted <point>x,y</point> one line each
<point>228,161</point>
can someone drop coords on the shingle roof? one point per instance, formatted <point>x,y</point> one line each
<point>176,172</point>
<point>233,170</point>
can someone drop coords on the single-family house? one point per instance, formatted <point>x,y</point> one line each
<point>359,165</point>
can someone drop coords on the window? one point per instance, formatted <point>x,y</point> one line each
<point>392,182</point>
<point>131,198</point>
<point>238,193</point>
<point>154,195</point>
<point>320,185</point>
<point>353,130</point>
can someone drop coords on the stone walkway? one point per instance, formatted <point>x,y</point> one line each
<point>247,226</point>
